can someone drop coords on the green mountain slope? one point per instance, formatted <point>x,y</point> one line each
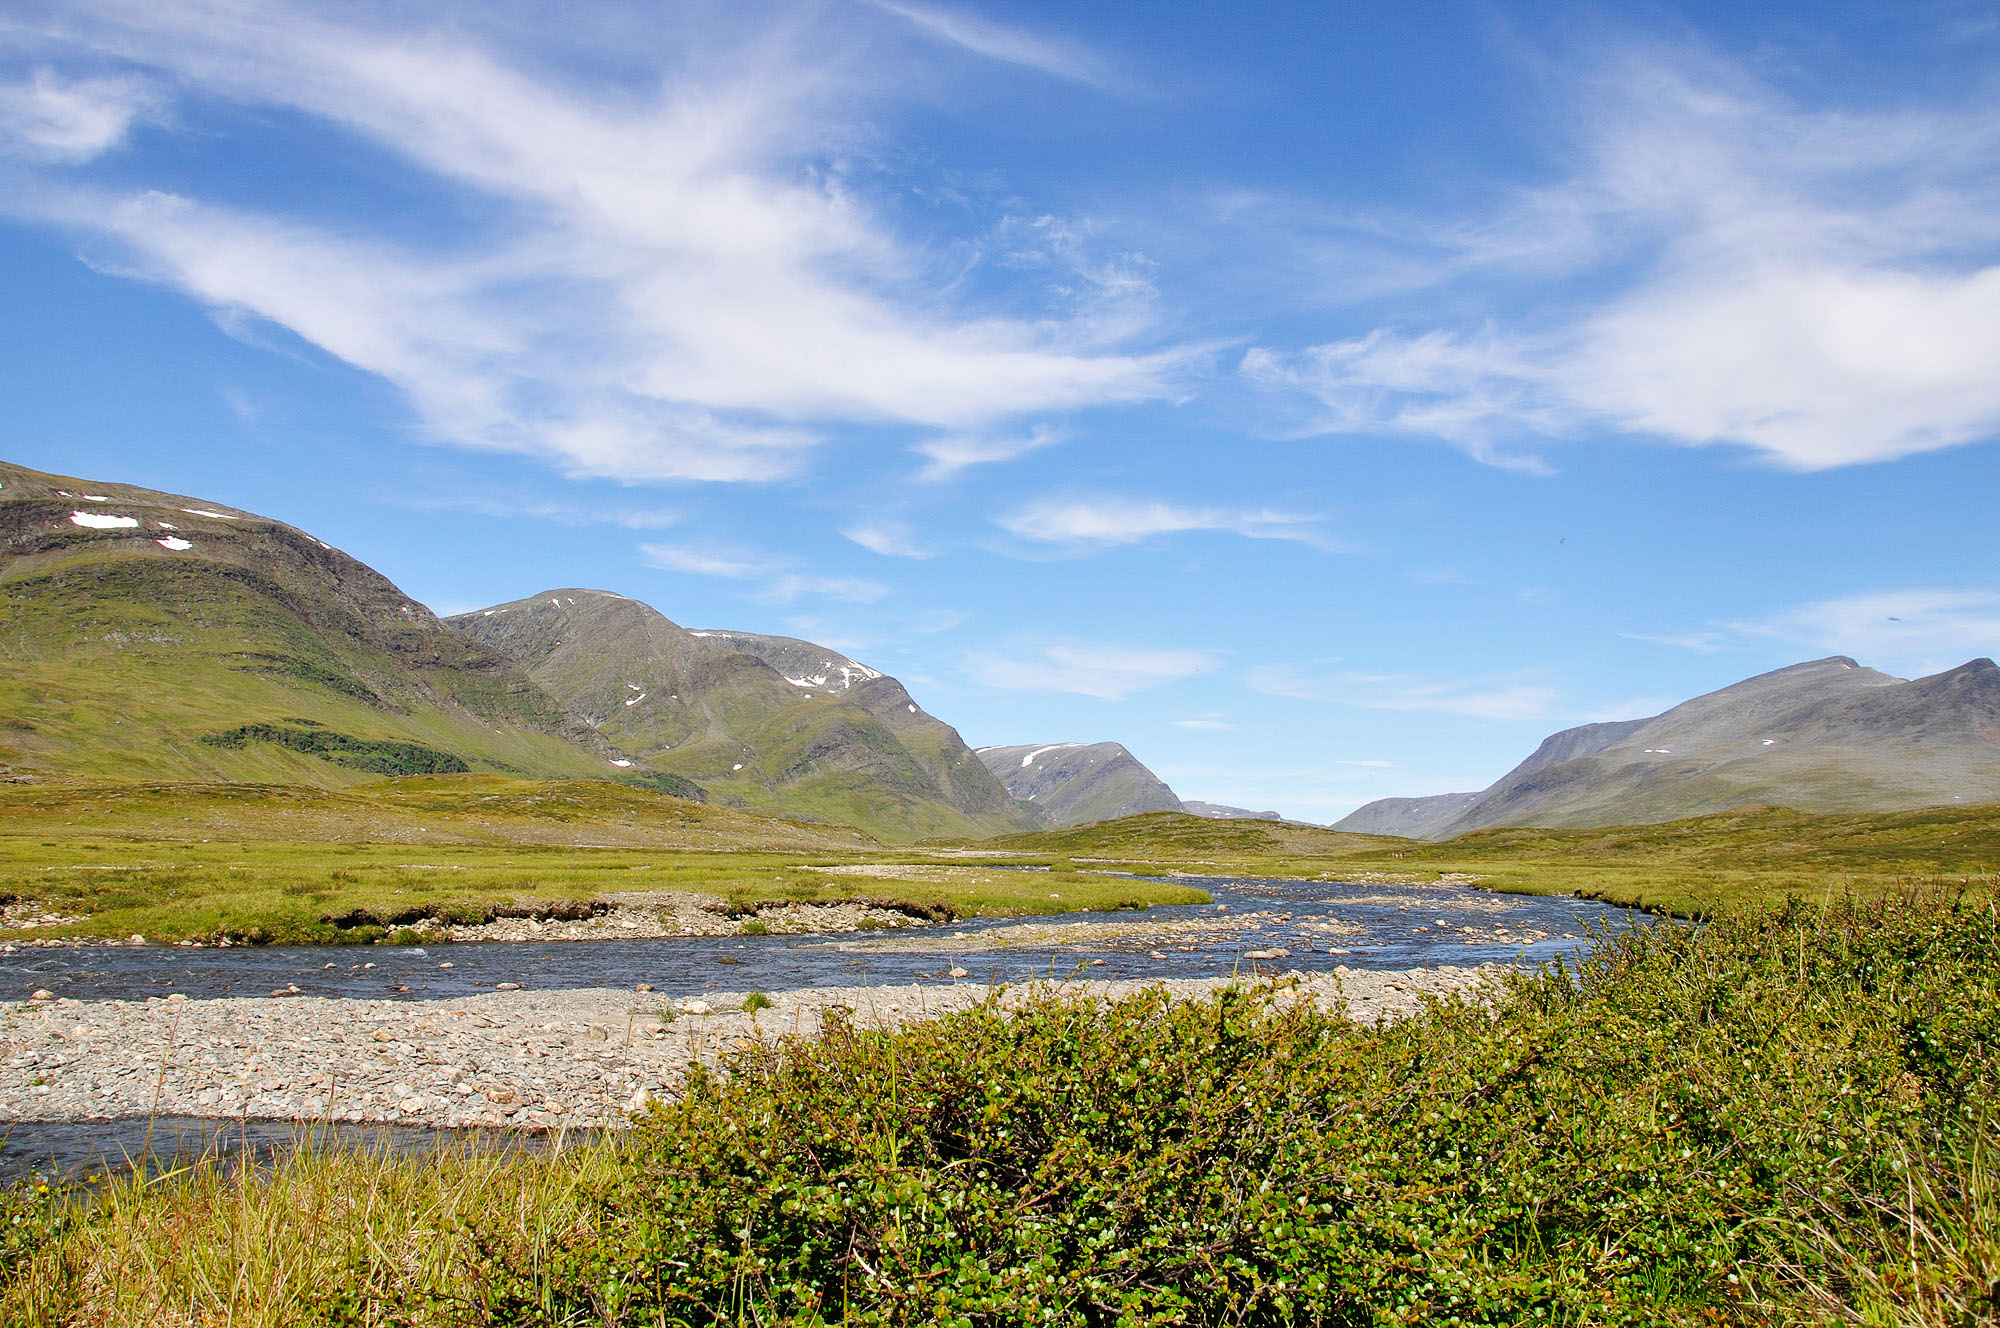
<point>151,636</point>
<point>678,702</point>
<point>961,778</point>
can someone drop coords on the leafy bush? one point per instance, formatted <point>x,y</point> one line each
<point>1693,1123</point>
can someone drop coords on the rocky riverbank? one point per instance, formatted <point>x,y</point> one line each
<point>535,1059</point>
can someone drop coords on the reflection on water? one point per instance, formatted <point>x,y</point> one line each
<point>90,1150</point>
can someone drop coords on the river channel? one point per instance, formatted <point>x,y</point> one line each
<point>1251,926</point>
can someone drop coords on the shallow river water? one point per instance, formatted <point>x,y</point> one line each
<point>1385,926</point>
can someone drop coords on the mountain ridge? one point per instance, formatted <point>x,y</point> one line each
<point>692,704</point>
<point>1071,783</point>
<point>157,635</point>
<point>1826,735</point>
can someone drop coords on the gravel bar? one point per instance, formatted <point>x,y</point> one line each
<point>534,1059</point>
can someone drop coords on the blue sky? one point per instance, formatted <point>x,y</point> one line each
<point>1324,400</point>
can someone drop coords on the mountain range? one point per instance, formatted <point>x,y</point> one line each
<point>1824,736</point>
<point>153,636</point>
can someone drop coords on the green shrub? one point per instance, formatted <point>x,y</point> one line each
<point>1693,1122</point>
<point>756,1001</point>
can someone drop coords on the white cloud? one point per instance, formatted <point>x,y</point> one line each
<point>1908,632</point>
<point>1818,285</point>
<point>949,455</point>
<point>1110,521</point>
<point>1111,672</point>
<point>1704,643</point>
<point>1008,45</point>
<point>734,565</point>
<point>782,583</point>
<point>683,285</point>
<point>891,539</point>
<point>1204,724</point>
<point>71,120</point>
<point>1499,699</point>
<point>801,585</point>
<point>513,508</point>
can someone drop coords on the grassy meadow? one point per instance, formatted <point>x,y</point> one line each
<point>1753,857</point>
<point>271,863</point>
<point>1781,1117</point>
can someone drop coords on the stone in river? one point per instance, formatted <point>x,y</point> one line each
<point>506,986</point>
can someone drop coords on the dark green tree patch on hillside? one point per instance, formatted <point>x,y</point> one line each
<point>379,757</point>
<point>307,670</point>
<point>674,786</point>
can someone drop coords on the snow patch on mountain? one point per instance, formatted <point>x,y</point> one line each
<point>100,521</point>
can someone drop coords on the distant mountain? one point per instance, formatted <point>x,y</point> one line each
<point>1216,811</point>
<point>1825,736</point>
<point>1408,818</point>
<point>837,741</point>
<point>150,635</point>
<point>959,776</point>
<point>1071,783</point>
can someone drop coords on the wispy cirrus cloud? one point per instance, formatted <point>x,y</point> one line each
<point>682,284</point>
<point>1817,284</point>
<point>780,580</point>
<point>1109,672</point>
<point>1477,698</point>
<point>891,539</point>
<point>1103,522</point>
<point>59,119</point>
<point>1907,632</point>
<point>948,456</point>
<point>1010,45</point>
<point>515,508</point>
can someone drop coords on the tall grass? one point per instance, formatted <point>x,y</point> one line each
<point>1774,1118</point>
<point>329,1235</point>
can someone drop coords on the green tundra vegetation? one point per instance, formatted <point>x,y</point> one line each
<point>274,862</point>
<point>1696,867</point>
<point>1779,1117</point>
<point>291,864</point>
